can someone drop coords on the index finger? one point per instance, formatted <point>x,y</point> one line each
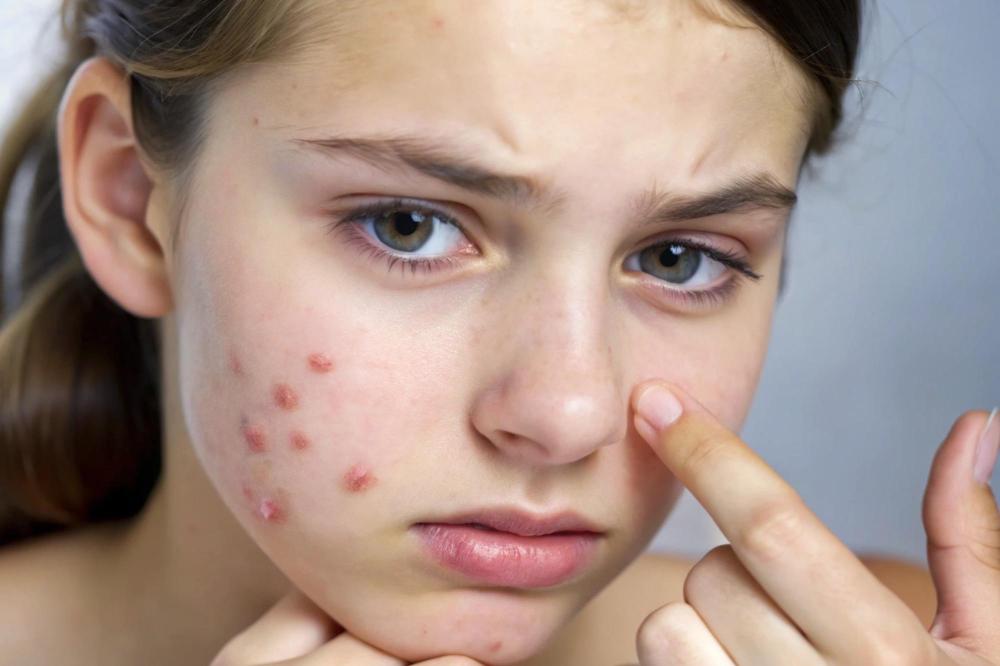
<point>801,564</point>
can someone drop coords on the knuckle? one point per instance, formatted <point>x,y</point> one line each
<point>707,451</point>
<point>894,649</point>
<point>664,624</point>
<point>706,579</point>
<point>671,627</point>
<point>772,529</point>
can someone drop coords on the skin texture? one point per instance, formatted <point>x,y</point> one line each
<point>318,404</point>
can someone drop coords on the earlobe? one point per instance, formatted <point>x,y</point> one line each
<point>107,191</point>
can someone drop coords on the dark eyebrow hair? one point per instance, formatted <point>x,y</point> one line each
<point>438,160</point>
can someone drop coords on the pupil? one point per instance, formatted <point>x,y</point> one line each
<point>671,256</point>
<point>405,223</point>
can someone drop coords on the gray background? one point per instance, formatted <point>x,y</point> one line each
<point>890,324</point>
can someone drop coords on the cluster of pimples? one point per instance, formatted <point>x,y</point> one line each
<point>260,443</point>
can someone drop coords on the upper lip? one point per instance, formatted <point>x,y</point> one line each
<point>523,523</point>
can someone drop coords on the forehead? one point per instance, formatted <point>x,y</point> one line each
<point>547,84</point>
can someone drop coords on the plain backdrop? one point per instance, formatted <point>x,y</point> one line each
<point>890,324</point>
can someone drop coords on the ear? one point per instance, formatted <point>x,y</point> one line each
<point>107,189</point>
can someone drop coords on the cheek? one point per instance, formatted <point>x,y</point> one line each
<point>720,367</point>
<point>280,401</point>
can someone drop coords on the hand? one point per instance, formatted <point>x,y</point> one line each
<point>296,632</point>
<point>787,591</point>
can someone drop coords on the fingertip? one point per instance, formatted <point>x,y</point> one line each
<point>658,406</point>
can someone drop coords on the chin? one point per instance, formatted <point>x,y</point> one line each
<point>494,626</point>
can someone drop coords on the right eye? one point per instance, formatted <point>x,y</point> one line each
<point>395,230</point>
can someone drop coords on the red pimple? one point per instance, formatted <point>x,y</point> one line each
<point>496,646</point>
<point>320,362</point>
<point>271,511</point>
<point>255,438</point>
<point>247,492</point>
<point>285,396</point>
<point>235,365</point>
<point>299,440</point>
<point>358,479</point>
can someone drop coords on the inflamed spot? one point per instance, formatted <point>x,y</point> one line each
<point>320,363</point>
<point>255,438</point>
<point>285,397</point>
<point>299,440</point>
<point>271,511</point>
<point>358,479</point>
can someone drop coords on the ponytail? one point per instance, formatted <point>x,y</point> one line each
<point>79,407</point>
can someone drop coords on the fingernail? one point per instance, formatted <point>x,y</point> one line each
<point>986,449</point>
<point>658,407</point>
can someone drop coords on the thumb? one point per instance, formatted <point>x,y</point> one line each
<point>963,535</point>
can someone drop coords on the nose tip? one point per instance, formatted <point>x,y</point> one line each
<point>554,429</point>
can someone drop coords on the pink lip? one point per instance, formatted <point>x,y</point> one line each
<point>512,548</point>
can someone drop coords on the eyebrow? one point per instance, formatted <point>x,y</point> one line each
<point>443,161</point>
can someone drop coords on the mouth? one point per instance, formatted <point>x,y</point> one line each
<point>508,547</point>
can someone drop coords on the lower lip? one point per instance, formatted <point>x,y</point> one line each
<point>509,560</point>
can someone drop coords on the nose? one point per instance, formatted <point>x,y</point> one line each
<point>552,394</point>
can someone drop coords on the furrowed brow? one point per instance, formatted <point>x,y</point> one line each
<point>444,162</point>
<point>440,161</point>
<point>745,193</point>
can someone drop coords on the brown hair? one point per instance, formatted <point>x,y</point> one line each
<point>79,376</point>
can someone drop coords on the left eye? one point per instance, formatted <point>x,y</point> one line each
<point>677,264</point>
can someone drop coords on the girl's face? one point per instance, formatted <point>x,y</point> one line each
<point>338,394</point>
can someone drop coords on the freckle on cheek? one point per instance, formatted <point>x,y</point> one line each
<point>285,397</point>
<point>299,440</point>
<point>320,363</point>
<point>358,479</point>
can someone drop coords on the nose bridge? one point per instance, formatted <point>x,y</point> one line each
<point>554,394</point>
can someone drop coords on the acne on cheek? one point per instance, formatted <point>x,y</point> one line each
<point>285,397</point>
<point>253,435</point>
<point>272,508</point>
<point>299,440</point>
<point>268,508</point>
<point>358,479</point>
<point>235,366</point>
<point>320,363</point>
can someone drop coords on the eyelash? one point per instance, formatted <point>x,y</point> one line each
<point>347,223</point>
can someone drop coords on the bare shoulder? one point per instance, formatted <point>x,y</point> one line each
<point>46,597</point>
<point>910,582</point>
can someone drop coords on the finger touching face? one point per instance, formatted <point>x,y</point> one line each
<point>423,264</point>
